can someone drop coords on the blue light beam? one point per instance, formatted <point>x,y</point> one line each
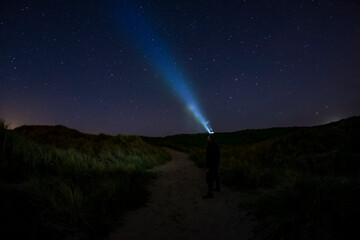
<point>143,34</point>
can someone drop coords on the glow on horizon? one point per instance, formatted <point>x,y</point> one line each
<point>142,33</point>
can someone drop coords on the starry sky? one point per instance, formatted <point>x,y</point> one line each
<point>248,63</point>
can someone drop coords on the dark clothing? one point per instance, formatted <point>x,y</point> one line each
<point>212,156</point>
<point>212,164</point>
<point>212,177</point>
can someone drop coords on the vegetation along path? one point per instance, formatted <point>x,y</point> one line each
<point>176,209</point>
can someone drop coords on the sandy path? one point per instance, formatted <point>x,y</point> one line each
<point>176,209</point>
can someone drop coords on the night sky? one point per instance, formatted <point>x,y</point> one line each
<point>247,64</point>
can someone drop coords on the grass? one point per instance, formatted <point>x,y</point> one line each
<point>308,208</point>
<point>56,182</point>
<point>302,183</point>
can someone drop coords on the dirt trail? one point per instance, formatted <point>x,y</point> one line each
<point>176,209</point>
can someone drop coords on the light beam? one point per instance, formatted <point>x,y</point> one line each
<point>143,34</point>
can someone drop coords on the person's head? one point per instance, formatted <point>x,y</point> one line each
<point>211,138</point>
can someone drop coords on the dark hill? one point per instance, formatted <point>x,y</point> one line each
<point>64,137</point>
<point>59,183</point>
<point>44,130</point>
<point>185,142</point>
<point>303,182</point>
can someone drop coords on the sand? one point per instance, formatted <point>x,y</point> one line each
<point>176,209</point>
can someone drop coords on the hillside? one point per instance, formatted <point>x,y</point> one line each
<point>186,141</point>
<point>302,183</point>
<point>56,182</point>
<point>250,136</point>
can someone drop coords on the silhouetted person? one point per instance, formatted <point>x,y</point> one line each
<point>212,166</point>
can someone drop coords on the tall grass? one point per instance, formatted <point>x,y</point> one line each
<point>303,183</point>
<point>52,186</point>
<point>308,207</point>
